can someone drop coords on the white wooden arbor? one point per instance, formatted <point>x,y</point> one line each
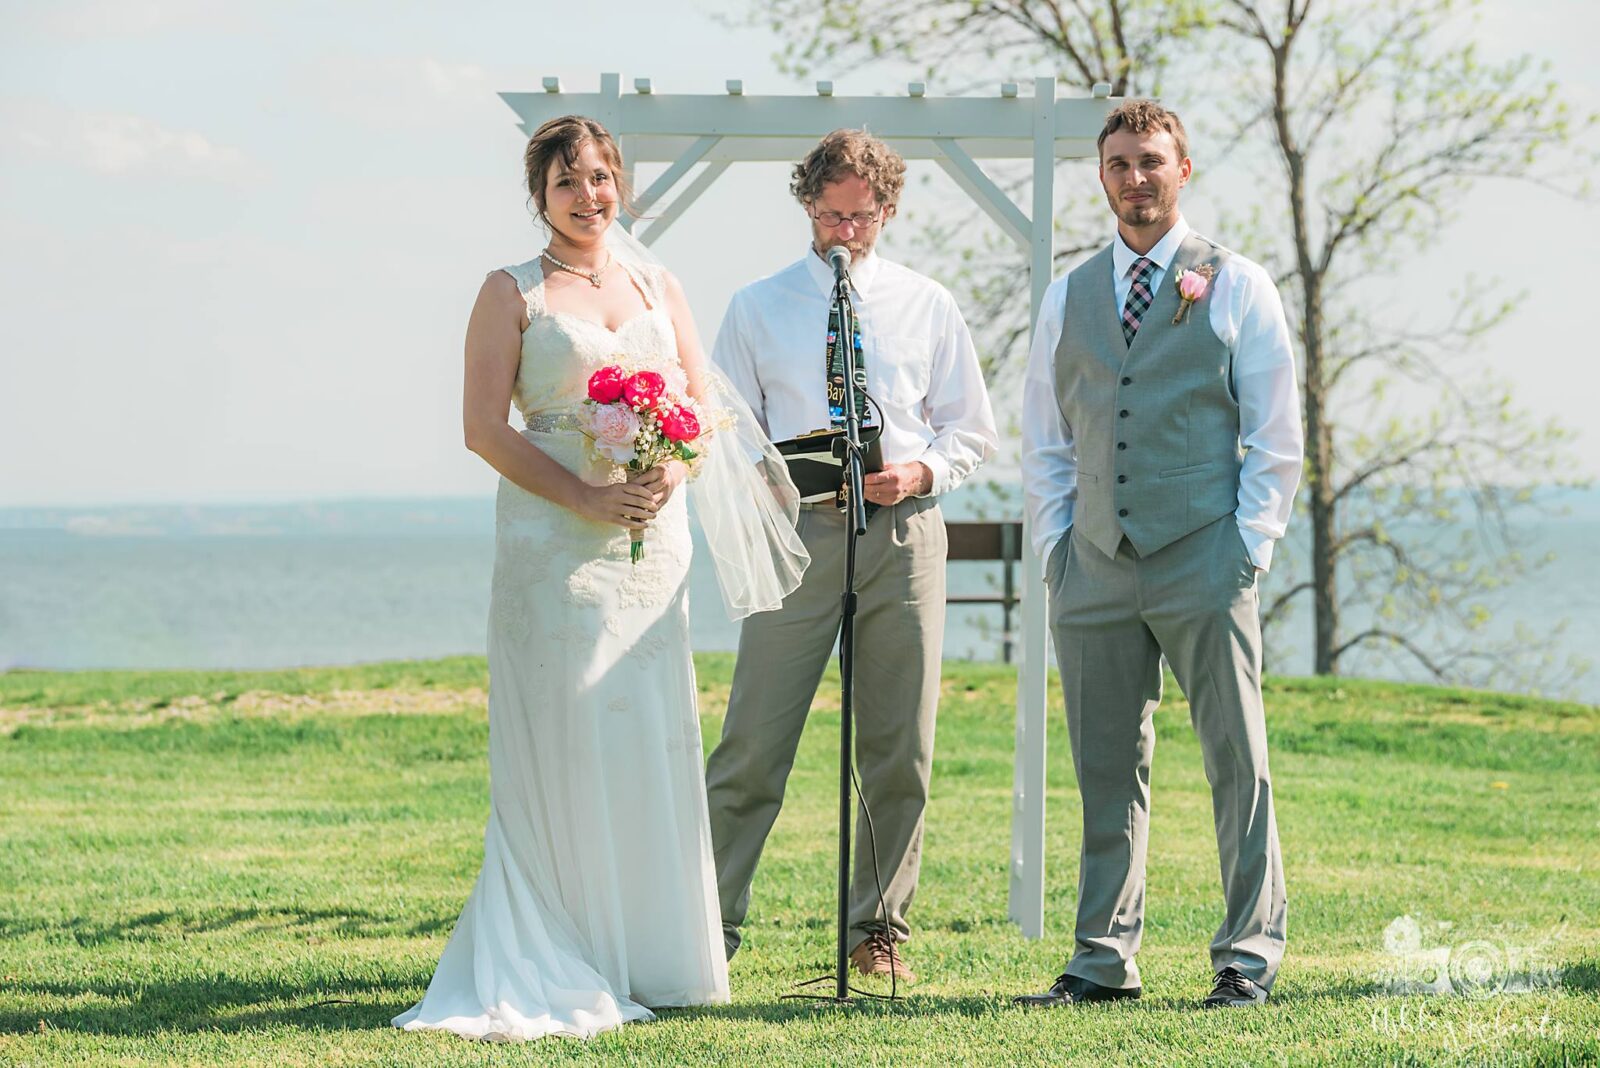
<point>683,130</point>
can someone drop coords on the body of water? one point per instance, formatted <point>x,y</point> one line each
<point>344,582</point>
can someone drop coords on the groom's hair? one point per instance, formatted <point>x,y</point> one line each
<point>1144,116</point>
<point>844,153</point>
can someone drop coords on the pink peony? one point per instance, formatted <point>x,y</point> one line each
<point>643,389</point>
<point>1191,286</point>
<point>679,424</point>
<point>614,427</point>
<point>605,385</point>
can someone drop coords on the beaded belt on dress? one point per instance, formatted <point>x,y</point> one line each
<point>550,422</point>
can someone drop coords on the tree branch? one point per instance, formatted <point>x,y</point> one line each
<point>1376,633</point>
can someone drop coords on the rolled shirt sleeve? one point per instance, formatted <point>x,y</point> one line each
<point>1270,431</point>
<point>957,408</point>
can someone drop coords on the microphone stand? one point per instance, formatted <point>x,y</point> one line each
<point>849,449</point>
<point>856,526</point>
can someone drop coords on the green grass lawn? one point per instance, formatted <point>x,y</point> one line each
<point>262,867</point>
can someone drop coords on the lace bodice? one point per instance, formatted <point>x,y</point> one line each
<point>560,350</point>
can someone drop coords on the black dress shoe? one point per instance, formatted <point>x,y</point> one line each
<point>1073,990</point>
<point>1232,988</point>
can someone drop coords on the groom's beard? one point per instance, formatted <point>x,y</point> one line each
<point>1161,205</point>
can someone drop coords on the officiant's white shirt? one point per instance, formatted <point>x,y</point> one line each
<point>1247,316</point>
<point>921,365</point>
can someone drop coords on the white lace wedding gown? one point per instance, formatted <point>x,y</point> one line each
<point>597,897</point>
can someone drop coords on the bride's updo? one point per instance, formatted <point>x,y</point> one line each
<point>561,139</point>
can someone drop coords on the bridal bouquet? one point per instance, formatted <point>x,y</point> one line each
<point>636,423</point>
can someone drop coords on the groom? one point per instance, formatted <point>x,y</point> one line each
<point>937,427</point>
<point>1161,452</point>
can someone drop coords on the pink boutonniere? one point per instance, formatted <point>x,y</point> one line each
<point>1192,285</point>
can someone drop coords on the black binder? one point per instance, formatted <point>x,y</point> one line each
<point>816,470</point>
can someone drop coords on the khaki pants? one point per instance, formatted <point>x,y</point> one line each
<point>1113,618</point>
<point>900,583</point>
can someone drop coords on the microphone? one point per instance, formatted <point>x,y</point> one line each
<point>839,259</point>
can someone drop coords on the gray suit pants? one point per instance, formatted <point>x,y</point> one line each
<point>1113,618</point>
<point>900,583</point>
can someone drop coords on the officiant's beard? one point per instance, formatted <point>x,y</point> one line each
<point>823,238</point>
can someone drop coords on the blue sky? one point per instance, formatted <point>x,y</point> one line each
<point>238,242</point>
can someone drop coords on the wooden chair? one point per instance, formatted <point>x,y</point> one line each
<point>990,540</point>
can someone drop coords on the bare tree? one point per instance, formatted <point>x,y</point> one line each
<point>1378,120</point>
<point>1124,43</point>
<point>1367,123</point>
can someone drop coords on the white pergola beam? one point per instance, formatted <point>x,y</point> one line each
<point>681,202</point>
<point>658,148</point>
<point>670,177</point>
<point>662,125</point>
<point>990,197</point>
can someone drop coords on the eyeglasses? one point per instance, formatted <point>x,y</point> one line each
<point>860,220</point>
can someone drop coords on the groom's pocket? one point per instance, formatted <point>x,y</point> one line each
<point>1055,566</point>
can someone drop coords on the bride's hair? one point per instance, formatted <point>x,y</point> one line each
<point>561,139</point>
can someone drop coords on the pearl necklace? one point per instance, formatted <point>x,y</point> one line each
<point>592,276</point>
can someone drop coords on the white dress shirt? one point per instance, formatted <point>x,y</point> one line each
<point>921,365</point>
<point>1247,316</point>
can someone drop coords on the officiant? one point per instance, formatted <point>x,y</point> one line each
<point>935,427</point>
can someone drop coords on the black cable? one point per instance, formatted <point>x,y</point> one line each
<point>872,845</point>
<point>877,878</point>
<point>883,905</point>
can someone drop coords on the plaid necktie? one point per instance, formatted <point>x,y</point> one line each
<point>1138,297</point>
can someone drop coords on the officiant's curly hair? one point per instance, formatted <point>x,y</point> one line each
<point>562,139</point>
<point>1142,117</point>
<point>844,153</point>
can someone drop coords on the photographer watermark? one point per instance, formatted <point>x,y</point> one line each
<point>1441,957</point>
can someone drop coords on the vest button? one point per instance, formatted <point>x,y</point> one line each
<point>1127,381</point>
<point>1123,413</point>
<point>1122,478</point>
<point>1122,444</point>
<point>1122,511</point>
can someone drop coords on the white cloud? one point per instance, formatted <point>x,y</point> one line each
<point>453,79</point>
<point>125,18</point>
<point>402,91</point>
<point>109,143</point>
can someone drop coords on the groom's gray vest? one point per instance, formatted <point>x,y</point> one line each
<point>1155,424</point>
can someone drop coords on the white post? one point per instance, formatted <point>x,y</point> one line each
<point>1028,784</point>
<point>608,113</point>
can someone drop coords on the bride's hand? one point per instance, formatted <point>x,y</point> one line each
<point>662,480</point>
<point>627,504</point>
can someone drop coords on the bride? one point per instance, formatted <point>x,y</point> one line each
<point>597,897</point>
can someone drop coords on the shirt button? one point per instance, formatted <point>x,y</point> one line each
<point>1127,381</point>
<point>1122,511</point>
<point>1122,445</point>
<point>1123,413</point>
<point>1122,478</point>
